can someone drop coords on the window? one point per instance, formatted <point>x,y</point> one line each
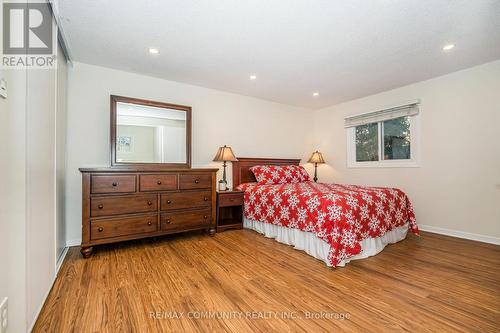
<point>386,138</point>
<point>396,139</point>
<point>367,142</point>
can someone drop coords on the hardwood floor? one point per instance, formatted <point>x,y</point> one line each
<point>429,284</point>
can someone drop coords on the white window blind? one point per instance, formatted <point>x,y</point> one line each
<point>382,115</point>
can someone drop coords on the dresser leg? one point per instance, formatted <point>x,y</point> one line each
<point>211,232</point>
<point>86,251</point>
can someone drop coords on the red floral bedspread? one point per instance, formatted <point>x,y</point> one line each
<point>341,215</point>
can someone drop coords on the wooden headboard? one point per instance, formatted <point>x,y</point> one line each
<point>241,168</point>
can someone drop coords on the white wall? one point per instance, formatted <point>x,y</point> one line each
<point>252,127</point>
<point>12,196</point>
<point>3,193</point>
<point>40,187</point>
<point>27,194</point>
<point>4,122</point>
<point>457,186</point>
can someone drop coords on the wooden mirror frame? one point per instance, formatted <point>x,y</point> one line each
<point>120,99</point>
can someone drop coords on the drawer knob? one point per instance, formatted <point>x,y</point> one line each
<point>168,221</point>
<point>150,223</point>
<point>150,203</point>
<point>115,184</point>
<point>169,202</point>
<point>196,181</point>
<point>231,199</point>
<point>100,206</point>
<point>205,199</point>
<point>100,229</point>
<point>158,182</point>
<point>205,217</point>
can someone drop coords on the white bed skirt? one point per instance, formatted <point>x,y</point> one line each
<point>318,248</point>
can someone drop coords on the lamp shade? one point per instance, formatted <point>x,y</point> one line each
<point>225,154</point>
<point>316,157</point>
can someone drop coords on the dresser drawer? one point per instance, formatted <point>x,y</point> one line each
<point>104,206</point>
<point>186,220</point>
<point>227,200</point>
<point>113,184</point>
<point>180,200</point>
<point>189,181</point>
<point>157,182</point>
<point>124,226</point>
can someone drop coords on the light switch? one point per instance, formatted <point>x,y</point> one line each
<point>3,88</point>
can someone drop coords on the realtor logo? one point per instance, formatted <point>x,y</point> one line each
<point>29,38</point>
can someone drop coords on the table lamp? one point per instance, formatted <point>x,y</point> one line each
<point>224,154</point>
<point>316,158</point>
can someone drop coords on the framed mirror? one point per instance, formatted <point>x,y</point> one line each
<point>149,134</point>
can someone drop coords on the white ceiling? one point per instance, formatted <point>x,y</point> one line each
<point>342,49</point>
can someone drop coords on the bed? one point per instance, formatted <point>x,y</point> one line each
<point>335,223</point>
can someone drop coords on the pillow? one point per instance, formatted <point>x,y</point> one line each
<point>279,174</point>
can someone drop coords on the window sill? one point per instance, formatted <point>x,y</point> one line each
<point>395,164</point>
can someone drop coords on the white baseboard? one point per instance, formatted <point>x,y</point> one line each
<point>32,325</point>
<point>460,234</point>
<point>73,242</point>
<point>60,260</point>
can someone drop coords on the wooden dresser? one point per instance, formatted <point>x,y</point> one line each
<point>124,204</point>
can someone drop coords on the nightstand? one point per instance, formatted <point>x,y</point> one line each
<point>229,210</point>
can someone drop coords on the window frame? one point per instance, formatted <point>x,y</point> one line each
<point>413,162</point>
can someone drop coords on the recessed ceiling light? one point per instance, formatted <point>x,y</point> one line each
<point>253,77</point>
<point>152,50</point>
<point>448,47</point>
<point>315,94</point>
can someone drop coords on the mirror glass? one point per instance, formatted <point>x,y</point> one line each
<point>148,134</point>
